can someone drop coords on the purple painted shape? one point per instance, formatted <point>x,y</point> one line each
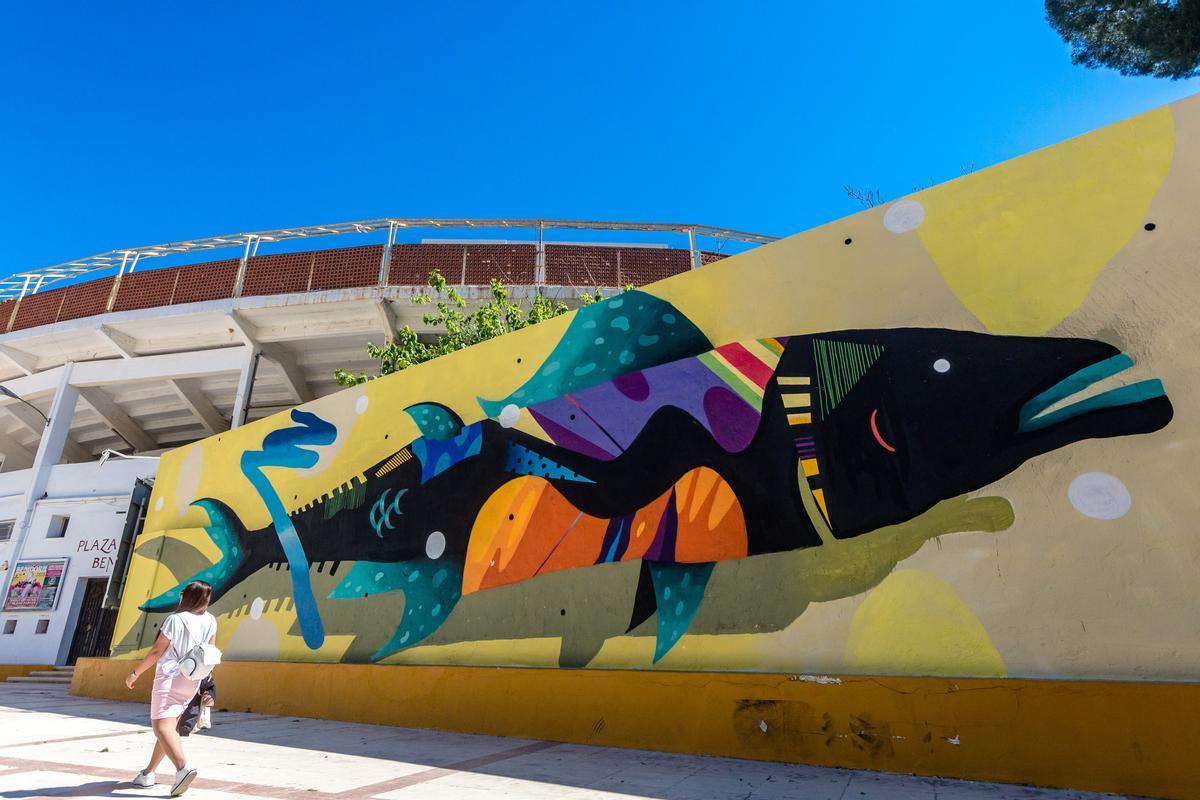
<point>603,420</point>
<point>634,386</point>
<point>663,546</point>
<point>583,436</point>
<point>730,418</point>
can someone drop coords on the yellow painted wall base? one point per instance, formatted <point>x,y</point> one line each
<point>19,670</point>
<point>1136,738</point>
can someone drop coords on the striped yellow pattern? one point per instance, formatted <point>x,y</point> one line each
<point>393,462</point>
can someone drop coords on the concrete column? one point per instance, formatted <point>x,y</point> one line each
<point>49,454</point>
<point>241,403</point>
<point>539,259</point>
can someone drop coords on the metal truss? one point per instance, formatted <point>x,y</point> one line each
<point>126,259</point>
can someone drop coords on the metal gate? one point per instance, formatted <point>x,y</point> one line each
<point>93,632</point>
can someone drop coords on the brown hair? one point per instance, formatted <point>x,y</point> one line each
<point>195,597</point>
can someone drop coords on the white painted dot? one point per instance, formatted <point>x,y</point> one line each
<point>941,365</point>
<point>1099,495</point>
<point>361,405</point>
<point>435,545</point>
<point>509,415</point>
<point>903,216</point>
<point>256,608</point>
<point>158,504</point>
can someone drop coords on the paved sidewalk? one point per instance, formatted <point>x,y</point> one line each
<point>55,745</point>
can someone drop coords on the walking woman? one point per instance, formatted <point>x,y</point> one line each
<point>189,626</point>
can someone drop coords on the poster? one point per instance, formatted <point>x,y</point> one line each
<point>35,585</point>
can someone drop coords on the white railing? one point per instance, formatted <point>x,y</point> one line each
<point>126,259</point>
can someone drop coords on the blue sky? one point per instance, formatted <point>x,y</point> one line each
<point>136,123</point>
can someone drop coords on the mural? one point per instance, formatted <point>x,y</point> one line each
<point>667,451</point>
<point>903,450</point>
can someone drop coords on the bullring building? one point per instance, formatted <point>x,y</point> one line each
<point>110,360</point>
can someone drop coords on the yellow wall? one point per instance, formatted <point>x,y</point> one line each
<point>18,670</point>
<point>1023,577</point>
<point>1103,736</point>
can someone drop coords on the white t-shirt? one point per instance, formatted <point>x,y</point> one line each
<point>184,630</point>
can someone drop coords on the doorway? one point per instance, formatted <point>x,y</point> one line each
<point>94,630</point>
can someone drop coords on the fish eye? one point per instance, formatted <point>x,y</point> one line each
<point>941,365</point>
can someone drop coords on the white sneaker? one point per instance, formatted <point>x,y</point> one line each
<point>144,780</point>
<point>183,779</point>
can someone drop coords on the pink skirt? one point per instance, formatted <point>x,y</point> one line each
<point>170,695</point>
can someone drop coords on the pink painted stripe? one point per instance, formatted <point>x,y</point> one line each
<point>746,363</point>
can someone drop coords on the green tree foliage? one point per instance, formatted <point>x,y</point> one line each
<point>458,328</point>
<point>1135,37</point>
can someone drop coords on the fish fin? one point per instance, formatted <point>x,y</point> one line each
<point>229,535</point>
<point>640,330</point>
<point>435,421</point>
<point>438,455</point>
<point>520,460</point>
<point>432,587</point>
<point>644,602</point>
<point>579,647</point>
<point>678,590</point>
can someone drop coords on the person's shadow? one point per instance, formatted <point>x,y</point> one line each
<point>94,789</point>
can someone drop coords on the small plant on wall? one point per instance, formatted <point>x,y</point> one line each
<point>456,327</point>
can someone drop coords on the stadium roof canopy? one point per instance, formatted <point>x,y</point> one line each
<point>21,283</point>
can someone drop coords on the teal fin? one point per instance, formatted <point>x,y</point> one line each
<point>520,460</point>
<point>432,587</point>
<point>606,340</point>
<point>435,421</point>
<point>223,528</point>
<point>678,590</point>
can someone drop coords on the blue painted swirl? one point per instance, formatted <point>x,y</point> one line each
<point>286,448</point>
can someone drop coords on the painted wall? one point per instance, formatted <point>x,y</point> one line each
<point>950,435</point>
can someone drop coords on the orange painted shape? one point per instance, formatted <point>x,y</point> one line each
<point>711,524</point>
<point>577,547</point>
<point>819,496</point>
<point>527,528</point>
<point>810,469</point>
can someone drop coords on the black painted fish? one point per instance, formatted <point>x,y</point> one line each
<point>668,451</point>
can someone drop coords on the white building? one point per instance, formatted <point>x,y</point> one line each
<point>77,526</point>
<point>98,355</point>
